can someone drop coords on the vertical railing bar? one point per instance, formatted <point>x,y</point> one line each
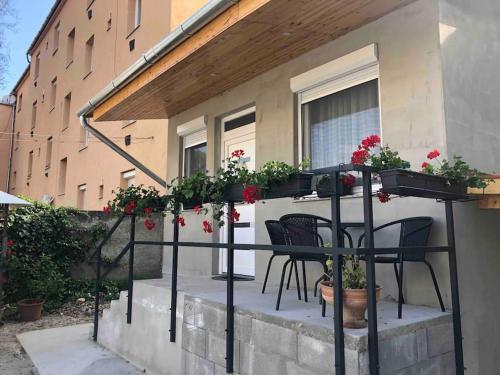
<point>337,277</point>
<point>97,293</point>
<point>455,295</point>
<point>230,296</point>
<point>370,275</point>
<point>173,294</point>
<point>131,269</point>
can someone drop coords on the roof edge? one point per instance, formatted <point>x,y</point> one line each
<point>45,24</point>
<point>24,75</point>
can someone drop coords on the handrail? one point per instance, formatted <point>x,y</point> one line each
<point>108,235</point>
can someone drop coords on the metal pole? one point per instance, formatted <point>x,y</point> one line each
<point>230,295</point>
<point>97,292</point>
<point>5,212</point>
<point>370,275</point>
<point>131,269</point>
<point>173,294</point>
<point>455,295</point>
<point>337,277</point>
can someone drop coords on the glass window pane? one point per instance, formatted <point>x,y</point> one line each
<point>195,158</point>
<point>335,124</point>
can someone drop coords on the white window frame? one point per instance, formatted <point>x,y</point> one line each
<point>192,133</point>
<point>345,72</point>
<point>82,194</point>
<point>128,176</point>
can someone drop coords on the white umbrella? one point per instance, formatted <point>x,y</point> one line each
<point>7,200</point>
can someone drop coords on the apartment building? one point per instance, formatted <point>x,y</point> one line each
<point>81,47</point>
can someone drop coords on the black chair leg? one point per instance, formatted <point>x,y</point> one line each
<point>304,280</point>
<point>325,270</point>
<point>400,287</point>
<point>436,286</point>
<point>294,265</point>
<point>323,308</point>
<point>267,273</point>
<point>400,292</point>
<point>283,272</point>
<point>290,275</point>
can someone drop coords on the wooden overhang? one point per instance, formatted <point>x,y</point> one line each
<point>246,40</point>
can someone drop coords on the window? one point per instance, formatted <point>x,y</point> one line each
<point>101,192</point>
<point>19,102</point>
<point>37,66</point>
<point>30,164</point>
<point>128,179</point>
<point>33,117</point>
<point>66,111</point>
<point>53,93</point>
<point>134,14</point>
<point>63,165</point>
<point>14,181</point>
<point>70,50</point>
<point>194,145</point>
<point>57,32</point>
<point>82,196</point>
<point>48,155</point>
<point>84,138</point>
<point>341,109</point>
<point>89,52</point>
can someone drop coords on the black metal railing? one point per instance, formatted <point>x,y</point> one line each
<point>337,252</point>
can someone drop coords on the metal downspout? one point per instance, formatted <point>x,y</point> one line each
<point>108,142</point>
<point>11,147</point>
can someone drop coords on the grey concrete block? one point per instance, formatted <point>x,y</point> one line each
<point>422,344</point>
<point>243,327</point>
<point>254,362</point>
<point>292,368</point>
<point>352,362</point>
<point>273,338</point>
<point>210,317</point>
<point>219,370</point>
<point>398,353</point>
<point>194,340</point>
<point>188,314</point>
<point>316,354</point>
<point>194,365</point>
<point>441,365</point>
<point>216,351</point>
<point>439,339</point>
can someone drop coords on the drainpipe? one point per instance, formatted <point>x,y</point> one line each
<point>11,147</point>
<point>108,142</point>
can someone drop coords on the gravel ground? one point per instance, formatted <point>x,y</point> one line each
<point>13,358</point>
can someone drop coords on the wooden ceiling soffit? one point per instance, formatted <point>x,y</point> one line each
<point>245,41</point>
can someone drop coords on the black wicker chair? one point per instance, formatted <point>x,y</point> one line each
<point>303,230</point>
<point>277,237</point>
<point>414,231</point>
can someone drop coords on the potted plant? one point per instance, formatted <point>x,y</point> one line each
<point>191,191</point>
<point>355,294</point>
<point>324,188</point>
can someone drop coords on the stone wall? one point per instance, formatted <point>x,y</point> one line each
<point>147,259</point>
<point>266,345</point>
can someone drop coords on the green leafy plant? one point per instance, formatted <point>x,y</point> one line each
<point>353,275</point>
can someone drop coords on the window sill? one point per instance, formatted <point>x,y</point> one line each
<point>55,51</point>
<point>64,129</point>
<point>132,31</point>
<point>51,109</point>
<point>61,194</point>
<point>86,75</point>
<point>69,64</point>
<point>90,4</point>
<point>83,148</point>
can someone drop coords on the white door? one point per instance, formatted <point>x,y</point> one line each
<point>243,137</point>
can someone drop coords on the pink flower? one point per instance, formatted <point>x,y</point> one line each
<point>234,215</point>
<point>149,224</point>
<point>237,153</point>
<point>433,154</point>
<point>148,211</point>
<point>348,180</point>
<point>370,141</point>
<point>359,156</point>
<point>180,220</point>
<point>383,197</point>
<point>130,207</point>
<point>197,209</point>
<point>425,165</point>
<point>251,193</point>
<point>207,227</point>
<point>106,210</point>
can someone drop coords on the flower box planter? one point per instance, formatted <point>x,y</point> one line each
<point>297,186</point>
<point>324,189</point>
<point>410,183</point>
<point>189,204</point>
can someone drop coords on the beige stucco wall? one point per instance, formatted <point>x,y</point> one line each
<point>96,164</point>
<point>413,121</point>
<point>5,129</point>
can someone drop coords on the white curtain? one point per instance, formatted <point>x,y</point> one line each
<point>335,124</point>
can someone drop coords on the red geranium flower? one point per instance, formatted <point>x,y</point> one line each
<point>149,224</point>
<point>180,220</point>
<point>148,211</point>
<point>207,227</point>
<point>425,165</point>
<point>251,193</point>
<point>433,154</point>
<point>237,153</point>
<point>106,210</point>
<point>359,156</point>
<point>370,141</point>
<point>234,215</point>
<point>10,243</point>
<point>383,197</point>
<point>197,209</point>
<point>130,207</point>
<point>348,180</point>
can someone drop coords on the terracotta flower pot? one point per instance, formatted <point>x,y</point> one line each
<point>30,309</point>
<point>355,305</point>
<point>327,291</point>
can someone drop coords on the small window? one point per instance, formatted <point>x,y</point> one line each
<point>194,145</point>
<point>37,66</point>
<point>18,136</point>
<point>101,192</point>
<point>66,111</point>
<point>195,159</point>
<point>84,138</point>
<point>14,181</point>
<point>82,196</point>
<point>57,32</point>
<point>110,23</point>
<point>128,179</point>
<point>63,165</point>
<point>70,51</point>
<point>30,164</point>
<point>53,94</point>
<point>134,14</point>
<point>89,55</point>
<point>33,116</point>
<point>19,102</point>
<point>48,156</point>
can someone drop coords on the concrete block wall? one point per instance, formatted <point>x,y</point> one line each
<point>267,345</point>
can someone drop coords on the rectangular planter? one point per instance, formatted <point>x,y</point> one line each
<point>297,186</point>
<point>325,189</point>
<point>410,183</point>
